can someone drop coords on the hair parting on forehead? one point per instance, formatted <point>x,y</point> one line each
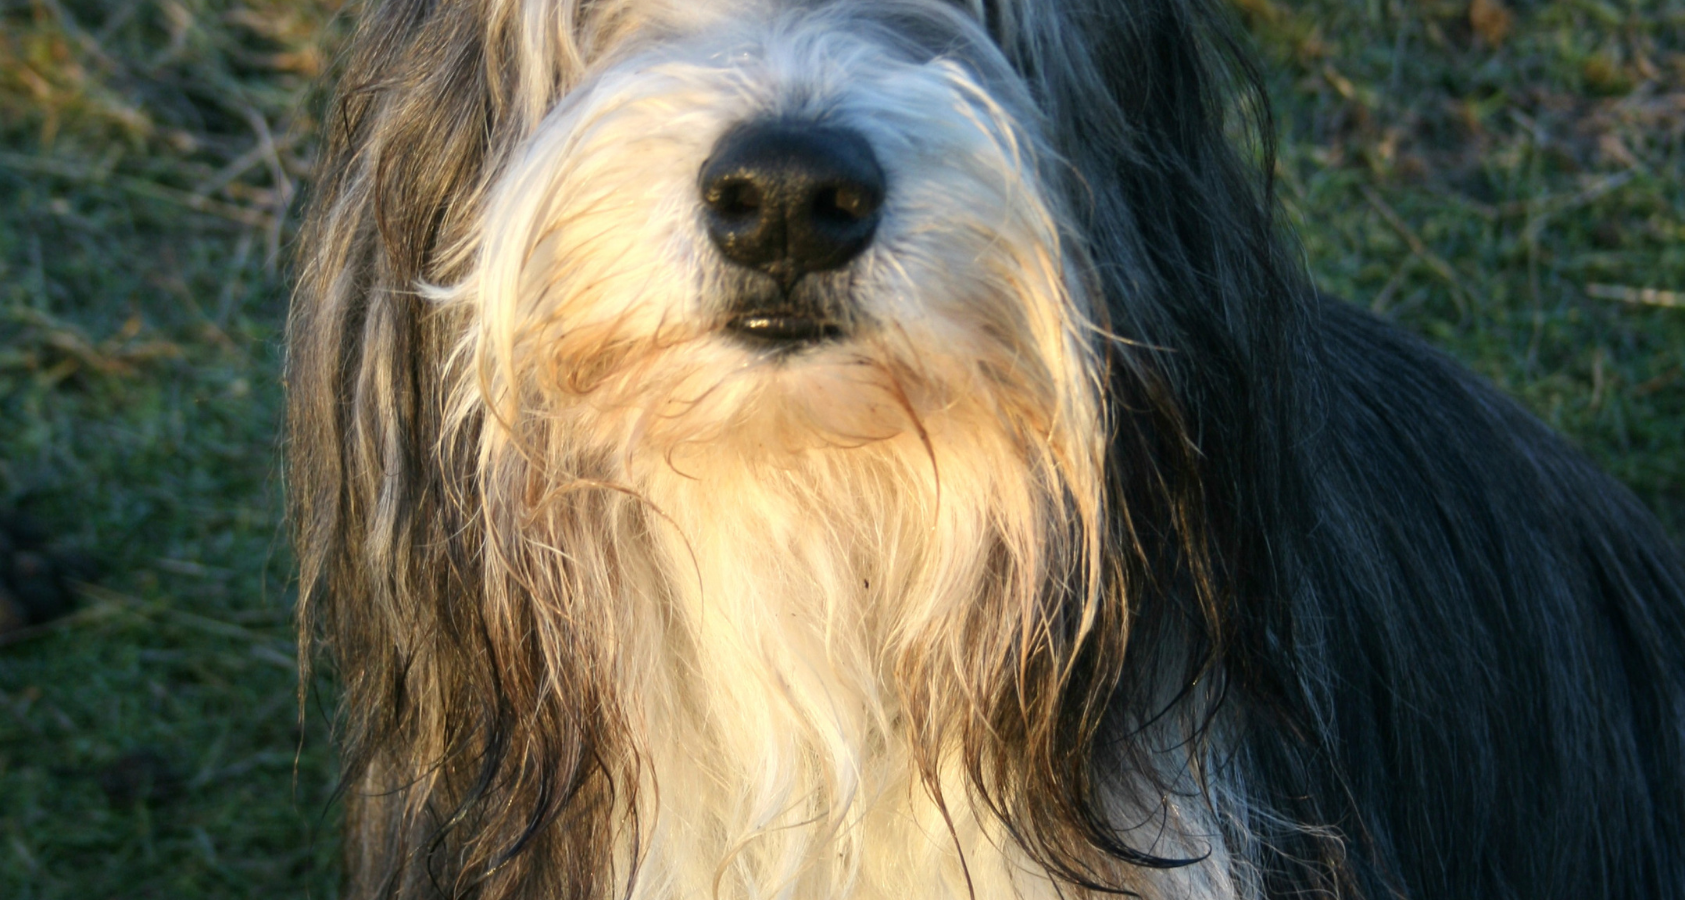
<point>481,763</point>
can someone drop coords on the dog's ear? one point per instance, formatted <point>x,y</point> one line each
<point>1146,100</point>
<point>356,417</point>
<point>446,784</point>
<point>356,355</point>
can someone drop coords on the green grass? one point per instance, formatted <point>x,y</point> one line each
<point>1500,194</point>
<point>147,746</point>
<point>1497,196</point>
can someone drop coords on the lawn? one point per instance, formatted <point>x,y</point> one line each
<point>1507,181</point>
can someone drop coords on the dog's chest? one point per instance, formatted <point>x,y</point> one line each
<point>778,763</point>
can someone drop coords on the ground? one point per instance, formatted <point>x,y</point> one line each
<point>1508,181</point>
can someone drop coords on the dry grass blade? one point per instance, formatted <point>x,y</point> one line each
<point>1459,291</point>
<point>121,354</point>
<point>138,187</point>
<point>1636,296</point>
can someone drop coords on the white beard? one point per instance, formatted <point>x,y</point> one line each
<point>772,718</point>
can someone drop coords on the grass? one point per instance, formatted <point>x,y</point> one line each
<point>1508,182</point>
<point>147,153</point>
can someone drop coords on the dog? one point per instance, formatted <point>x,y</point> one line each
<point>822,449</point>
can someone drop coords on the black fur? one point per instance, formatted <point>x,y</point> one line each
<point>1444,635</point>
<point>1480,678</point>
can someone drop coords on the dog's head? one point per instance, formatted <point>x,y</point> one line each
<point>556,244</point>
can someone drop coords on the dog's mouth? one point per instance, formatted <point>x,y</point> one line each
<point>785,328</point>
<point>815,310</point>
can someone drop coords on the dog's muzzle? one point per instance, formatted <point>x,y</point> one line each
<point>790,199</point>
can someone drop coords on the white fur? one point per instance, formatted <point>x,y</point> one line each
<point>786,549</point>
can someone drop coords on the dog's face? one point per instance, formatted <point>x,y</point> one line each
<point>761,228</point>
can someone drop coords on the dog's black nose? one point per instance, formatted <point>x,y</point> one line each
<point>789,199</point>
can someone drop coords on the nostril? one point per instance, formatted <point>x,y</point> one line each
<point>844,203</point>
<point>734,198</point>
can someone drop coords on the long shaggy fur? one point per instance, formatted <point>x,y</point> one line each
<point>1102,556</point>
